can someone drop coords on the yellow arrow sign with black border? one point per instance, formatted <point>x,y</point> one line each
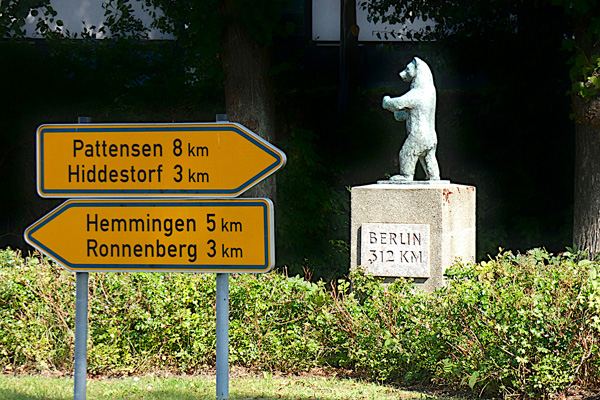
<point>159,160</point>
<point>186,235</point>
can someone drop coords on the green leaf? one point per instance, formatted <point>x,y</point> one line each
<point>593,273</point>
<point>473,379</point>
<point>584,263</point>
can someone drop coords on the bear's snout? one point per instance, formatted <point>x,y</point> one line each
<point>405,76</point>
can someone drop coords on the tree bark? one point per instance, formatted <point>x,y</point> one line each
<point>349,60</point>
<point>249,94</point>
<point>586,218</point>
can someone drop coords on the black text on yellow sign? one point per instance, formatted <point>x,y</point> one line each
<point>133,160</point>
<point>234,235</point>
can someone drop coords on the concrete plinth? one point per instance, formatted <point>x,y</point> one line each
<point>412,230</point>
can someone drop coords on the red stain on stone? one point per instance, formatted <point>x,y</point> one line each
<point>446,193</point>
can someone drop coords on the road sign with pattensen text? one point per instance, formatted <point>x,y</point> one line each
<point>159,160</point>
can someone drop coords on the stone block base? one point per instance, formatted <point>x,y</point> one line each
<point>412,230</point>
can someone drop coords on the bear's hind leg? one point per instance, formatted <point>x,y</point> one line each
<point>407,161</point>
<point>430,165</point>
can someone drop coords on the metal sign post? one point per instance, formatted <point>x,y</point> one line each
<point>222,336</point>
<point>222,328</point>
<point>81,333</point>
<point>81,325</point>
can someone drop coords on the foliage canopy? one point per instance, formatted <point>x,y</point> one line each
<point>497,19</point>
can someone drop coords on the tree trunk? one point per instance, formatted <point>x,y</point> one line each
<point>249,94</point>
<point>349,59</point>
<point>586,218</point>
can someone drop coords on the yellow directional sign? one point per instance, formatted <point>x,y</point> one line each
<point>133,160</point>
<point>229,235</point>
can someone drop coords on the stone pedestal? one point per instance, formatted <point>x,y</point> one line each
<point>412,230</point>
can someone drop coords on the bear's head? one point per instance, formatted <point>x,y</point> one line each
<point>417,73</point>
<point>410,71</point>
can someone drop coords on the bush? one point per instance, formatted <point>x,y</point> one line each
<point>139,322</point>
<point>36,328</point>
<point>516,325</point>
<point>521,324</point>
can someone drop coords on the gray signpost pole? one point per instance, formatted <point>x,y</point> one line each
<point>222,323</point>
<point>81,328</point>
<point>223,336</point>
<point>81,324</point>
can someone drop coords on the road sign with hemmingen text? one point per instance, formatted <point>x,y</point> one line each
<point>177,235</point>
<point>158,160</point>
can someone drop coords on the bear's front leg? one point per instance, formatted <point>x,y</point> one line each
<point>407,101</point>
<point>387,103</point>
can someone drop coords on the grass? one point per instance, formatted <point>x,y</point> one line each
<point>35,387</point>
